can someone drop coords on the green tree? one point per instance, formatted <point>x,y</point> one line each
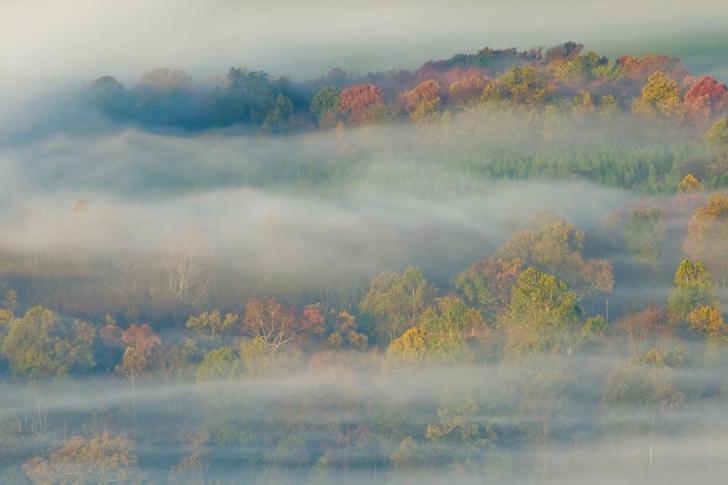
<point>451,318</point>
<point>278,119</point>
<point>219,364</point>
<point>543,317</point>
<point>397,301</point>
<point>41,345</point>
<point>325,102</point>
<point>645,238</point>
<point>717,139</point>
<point>212,326</point>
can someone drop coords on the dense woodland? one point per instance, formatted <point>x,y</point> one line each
<point>561,353</point>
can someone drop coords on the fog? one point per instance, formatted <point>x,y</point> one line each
<point>86,39</point>
<point>340,408</point>
<point>95,213</point>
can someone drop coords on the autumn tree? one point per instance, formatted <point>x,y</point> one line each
<point>707,322</point>
<point>707,232</point>
<point>41,345</point>
<point>163,78</point>
<point>525,86</point>
<point>690,185</point>
<point>134,367</point>
<point>141,338</point>
<point>638,332</point>
<point>409,351</point>
<point>556,248</point>
<point>272,322</point>
<point>645,238</point>
<point>693,289</point>
<point>660,97</point>
<point>706,97</point>
<point>421,102</point>
<point>468,91</point>
<point>102,460</point>
<point>361,103</point>
<point>487,284</point>
<point>397,301</point>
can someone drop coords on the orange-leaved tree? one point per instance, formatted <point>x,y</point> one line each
<point>361,103</point>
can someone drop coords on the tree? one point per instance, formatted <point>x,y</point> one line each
<point>325,103</point>
<point>212,326</point>
<point>643,390</point>
<point>717,139</point>
<point>451,318</point>
<point>707,232</point>
<point>186,268</point>
<point>468,91</point>
<point>109,96</point>
<point>463,433</point>
<point>704,98</point>
<point>643,330</point>
<point>219,364</point>
<point>408,351</point>
<point>103,460</point>
<point>133,367</point>
<point>142,338</point>
<point>707,322</point>
<point>278,119</point>
<point>361,103</point>
<point>693,289</point>
<point>397,301</point>
<point>543,317</point>
<point>645,238</point>
<point>660,97</point>
<point>272,322</point>
<point>689,185</point>
<point>556,248</point>
<point>488,283</point>
<point>421,102</point>
<point>525,86</point>
<point>42,345</point>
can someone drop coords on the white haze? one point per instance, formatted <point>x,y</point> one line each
<point>143,189</point>
<point>86,39</point>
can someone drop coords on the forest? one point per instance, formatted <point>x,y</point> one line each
<point>501,267</point>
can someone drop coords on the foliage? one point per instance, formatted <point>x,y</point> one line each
<point>645,238</point>
<point>543,317</point>
<point>693,290</point>
<point>707,230</point>
<point>103,460</point>
<point>42,345</point>
<point>397,301</point>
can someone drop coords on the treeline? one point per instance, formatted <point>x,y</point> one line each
<point>561,79</point>
<point>637,123</point>
<point>513,364</point>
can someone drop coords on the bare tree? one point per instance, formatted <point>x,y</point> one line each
<point>187,270</point>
